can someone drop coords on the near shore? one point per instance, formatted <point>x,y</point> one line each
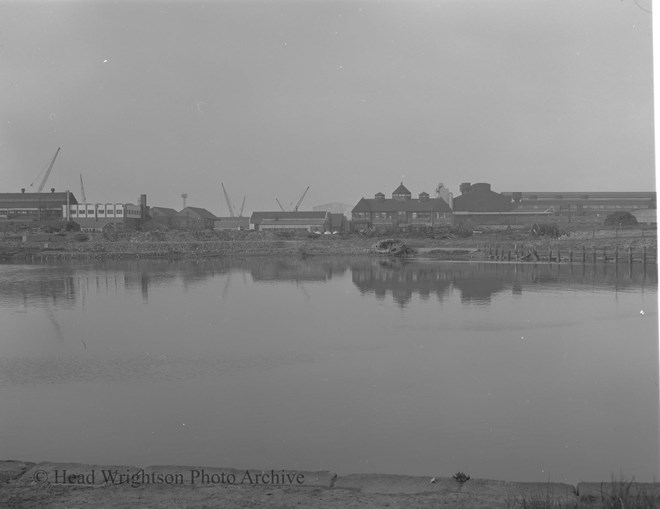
<point>635,244</point>
<point>77,486</point>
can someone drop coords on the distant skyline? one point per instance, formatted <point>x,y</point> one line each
<point>347,97</point>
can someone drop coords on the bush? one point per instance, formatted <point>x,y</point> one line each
<point>81,237</point>
<point>620,218</point>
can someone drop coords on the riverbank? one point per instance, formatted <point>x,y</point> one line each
<point>637,245</point>
<point>78,486</point>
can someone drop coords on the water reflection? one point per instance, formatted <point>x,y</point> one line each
<point>526,367</point>
<point>62,285</point>
<point>478,283</point>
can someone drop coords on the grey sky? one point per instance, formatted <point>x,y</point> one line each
<point>349,98</point>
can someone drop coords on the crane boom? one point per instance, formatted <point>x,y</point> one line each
<point>231,209</point>
<point>278,202</point>
<point>300,200</point>
<point>240,214</point>
<point>50,167</point>
<point>82,191</point>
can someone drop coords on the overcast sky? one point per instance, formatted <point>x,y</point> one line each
<point>349,98</point>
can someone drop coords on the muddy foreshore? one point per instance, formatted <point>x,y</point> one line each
<point>635,245</point>
<point>78,486</point>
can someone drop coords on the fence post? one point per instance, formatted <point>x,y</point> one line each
<point>570,255</point>
<point>630,258</point>
<point>616,254</point>
<point>584,254</point>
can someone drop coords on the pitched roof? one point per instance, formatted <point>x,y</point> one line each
<point>401,189</point>
<point>200,212</point>
<point>391,205</point>
<point>164,211</point>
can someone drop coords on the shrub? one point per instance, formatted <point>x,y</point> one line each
<point>620,218</point>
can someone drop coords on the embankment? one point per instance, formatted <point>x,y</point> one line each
<point>77,486</point>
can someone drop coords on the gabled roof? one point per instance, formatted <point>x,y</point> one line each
<point>391,205</point>
<point>196,211</point>
<point>401,189</point>
<point>163,211</point>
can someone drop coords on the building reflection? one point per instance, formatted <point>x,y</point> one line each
<point>479,283</point>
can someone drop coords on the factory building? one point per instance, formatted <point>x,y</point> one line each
<point>42,207</point>
<point>194,218</point>
<point>311,221</point>
<point>232,223</point>
<point>100,216</point>
<point>587,205</point>
<point>162,215</point>
<point>400,211</point>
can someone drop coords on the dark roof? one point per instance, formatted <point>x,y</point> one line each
<point>279,215</point>
<point>401,190</point>
<point>163,211</point>
<point>482,199</point>
<point>201,213</point>
<point>373,205</point>
<point>35,200</point>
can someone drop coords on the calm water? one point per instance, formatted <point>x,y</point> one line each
<point>515,372</point>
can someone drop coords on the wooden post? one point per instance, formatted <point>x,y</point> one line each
<point>570,255</point>
<point>630,258</point>
<point>508,257</point>
<point>604,256</point>
<point>644,256</point>
<point>616,254</point>
<point>558,255</point>
<point>584,254</point>
<point>594,255</point>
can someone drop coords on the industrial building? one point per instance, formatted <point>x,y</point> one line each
<point>194,218</point>
<point>162,215</point>
<point>311,221</point>
<point>100,216</point>
<point>400,211</point>
<point>575,205</point>
<point>43,207</point>
<point>232,223</point>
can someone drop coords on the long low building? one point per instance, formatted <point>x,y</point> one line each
<point>582,203</point>
<point>99,216</point>
<point>300,220</point>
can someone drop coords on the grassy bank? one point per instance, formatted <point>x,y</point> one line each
<point>447,244</point>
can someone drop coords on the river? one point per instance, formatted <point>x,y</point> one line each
<point>503,371</point>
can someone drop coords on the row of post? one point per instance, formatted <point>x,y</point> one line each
<point>500,254</point>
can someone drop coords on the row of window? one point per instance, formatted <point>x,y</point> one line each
<point>400,215</point>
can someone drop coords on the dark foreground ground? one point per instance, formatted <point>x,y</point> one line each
<point>638,244</point>
<point>77,486</point>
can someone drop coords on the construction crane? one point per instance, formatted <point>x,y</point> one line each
<point>50,167</point>
<point>231,209</point>
<point>295,209</point>
<point>240,214</point>
<point>278,202</point>
<point>82,191</point>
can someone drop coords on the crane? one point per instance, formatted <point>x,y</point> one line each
<point>50,167</point>
<point>295,209</point>
<point>231,209</point>
<point>82,191</point>
<point>240,214</point>
<point>278,202</point>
